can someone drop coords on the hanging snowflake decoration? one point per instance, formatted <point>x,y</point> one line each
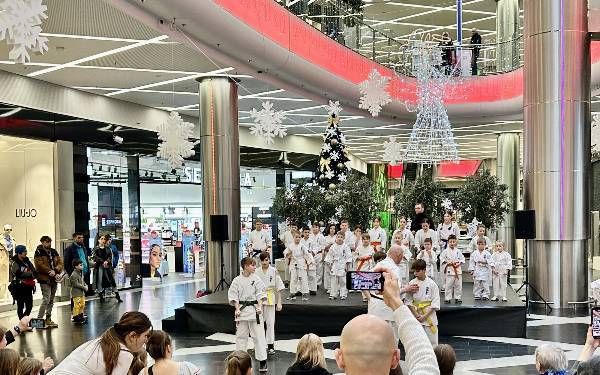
<point>267,123</point>
<point>333,220</point>
<point>20,25</point>
<point>472,227</point>
<point>175,135</point>
<point>392,151</point>
<point>338,211</point>
<point>447,204</point>
<point>373,93</point>
<point>334,108</point>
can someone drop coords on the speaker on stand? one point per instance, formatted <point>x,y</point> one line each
<point>525,230</point>
<point>219,231</point>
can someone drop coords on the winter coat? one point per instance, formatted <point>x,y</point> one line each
<point>46,261</point>
<point>101,255</point>
<point>23,272</point>
<point>306,369</point>
<point>77,284</point>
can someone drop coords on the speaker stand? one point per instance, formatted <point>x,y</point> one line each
<point>222,283</point>
<point>527,285</point>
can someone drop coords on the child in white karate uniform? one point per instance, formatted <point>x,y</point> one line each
<point>288,238</point>
<point>406,257</point>
<point>273,287</point>
<point>430,258</point>
<point>329,241</point>
<point>446,228</point>
<point>378,235</point>
<point>247,294</point>
<point>405,232</point>
<point>299,259</point>
<point>481,270</point>
<point>425,301</point>
<point>480,234</point>
<point>316,242</point>
<point>363,258</point>
<point>311,266</point>
<point>339,258</point>
<point>426,232</point>
<point>451,265</point>
<point>501,264</point>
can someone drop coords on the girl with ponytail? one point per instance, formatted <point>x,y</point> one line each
<point>238,363</point>
<point>120,350</point>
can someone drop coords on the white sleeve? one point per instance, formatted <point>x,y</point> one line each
<point>471,262</point>
<point>279,283</point>
<point>420,357</point>
<point>233,292</point>
<point>260,289</point>
<point>384,239</point>
<point>418,239</point>
<point>435,301</point>
<point>472,245</point>
<point>456,230</point>
<point>461,257</point>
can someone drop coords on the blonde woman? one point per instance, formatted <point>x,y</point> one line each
<point>310,357</point>
<point>32,366</point>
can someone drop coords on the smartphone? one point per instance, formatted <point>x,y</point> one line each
<point>596,322</point>
<point>359,280</point>
<point>37,323</point>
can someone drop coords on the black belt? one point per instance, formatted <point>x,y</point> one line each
<point>244,304</point>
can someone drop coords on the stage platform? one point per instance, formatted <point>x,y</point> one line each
<point>211,314</point>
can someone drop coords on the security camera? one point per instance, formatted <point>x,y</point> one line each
<point>117,139</point>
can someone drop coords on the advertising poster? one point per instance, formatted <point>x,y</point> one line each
<point>187,244</point>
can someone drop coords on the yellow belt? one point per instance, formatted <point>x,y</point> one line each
<point>421,306</point>
<point>270,296</point>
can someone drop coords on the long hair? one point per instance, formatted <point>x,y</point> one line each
<point>310,351</point>
<point>238,363</point>
<point>29,366</point>
<point>9,361</point>
<point>112,338</point>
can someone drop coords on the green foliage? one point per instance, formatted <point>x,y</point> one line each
<point>482,197</point>
<point>300,204</point>
<point>380,190</point>
<point>357,199</point>
<point>423,189</point>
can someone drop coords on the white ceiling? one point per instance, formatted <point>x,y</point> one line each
<point>97,48</point>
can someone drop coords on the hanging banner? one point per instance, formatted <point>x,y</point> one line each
<point>187,244</point>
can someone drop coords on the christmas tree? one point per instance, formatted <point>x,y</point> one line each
<point>333,160</point>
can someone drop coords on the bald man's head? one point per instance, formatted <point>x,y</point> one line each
<point>396,252</point>
<point>367,347</point>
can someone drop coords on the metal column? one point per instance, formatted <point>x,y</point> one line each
<point>508,173</point>
<point>507,27</point>
<point>557,145</point>
<point>219,139</point>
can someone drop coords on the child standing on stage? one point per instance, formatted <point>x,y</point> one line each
<point>480,234</point>
<point>287,238</point>
<point>501,264</point>
<point>247,294</point>
<point>426,232</point>
<point>480,267</point>
<point>363,258</point>
<point>316,246</point>
<point>451,261</point>
<point>425,301</point>
<point>378,235</point>
<point>330,237</point>
<point>406,257</point>
<point>259,240</point>
<point>339,258</point>
<point>312,266</point>
<point>273,287</point>
<point>446,228</point>
<point>405,232</point>
<point>298,261</point>
<point>430,258</point>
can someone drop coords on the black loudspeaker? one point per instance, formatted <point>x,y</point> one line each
<point>525,224</point>
<point>219,228</point>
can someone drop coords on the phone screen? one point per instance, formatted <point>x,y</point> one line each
<point>37,323</point>
<point>358,280</point>
<point>596,322</point>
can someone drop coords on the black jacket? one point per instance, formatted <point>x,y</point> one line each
<point>415,224</point>
<point>476,41</point>
<point>305,369</point>
<point>22,271</point>
<point>71,253</point>
<point>101,255</point>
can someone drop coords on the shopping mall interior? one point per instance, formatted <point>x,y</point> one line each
<point>168,145</point>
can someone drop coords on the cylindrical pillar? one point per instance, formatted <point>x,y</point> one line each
<point>219,140</point>
<point>507,31</point>
<point>507,170</point>
<point>557,145</point>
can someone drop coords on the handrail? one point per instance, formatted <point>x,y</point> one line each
<point>347,27</point>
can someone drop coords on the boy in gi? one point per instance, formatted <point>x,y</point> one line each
<point>274,285</point>
<point>430,258</point>
<point>480,234</point>
<point>451,261</point>
<point>364,258</point>
<point>317,245</point>
<point>425,301</point>
<point>501,264</point>
<point>480,267</point>
<point>378,235</point>
<point>339,258</point>
<point>311,266</point>
<point>298,261</point>
<point>247,294</point>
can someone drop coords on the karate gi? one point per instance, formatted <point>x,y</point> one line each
<point>311,270</point>
<point>377,306</point>
<point>445,230</point>
<point>273,284</point>
<point>362,252</point>
<point>421,235</point>
<point>288,239</point>
<point>406,235</point>
<point>453,277</point>
<point>481,266</point>
<point>502,263</point>
<point>329,240</point>
<point>473,244</point>
<point>316,246</point>
<point>258,242</point>
<point>298,268</point>
<point>247,291</point>
<point>403,265</point>
<point>338,257</point>
<point>428,296</point>
<point>430,259</point>
<point>378,237</point>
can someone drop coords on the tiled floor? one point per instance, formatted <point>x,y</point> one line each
<point>489,355</point>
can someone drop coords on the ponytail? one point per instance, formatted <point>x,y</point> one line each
<point>238,363</point>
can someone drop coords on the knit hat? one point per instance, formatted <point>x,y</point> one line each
<point>20,249</point>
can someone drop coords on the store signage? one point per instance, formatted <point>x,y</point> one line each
<point>106,221</point>
<point>25,212</point>
<point>193,175</point>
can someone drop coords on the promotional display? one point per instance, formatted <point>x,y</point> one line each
<point>187,244</point>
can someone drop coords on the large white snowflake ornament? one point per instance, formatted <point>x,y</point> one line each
<point>267,123</point>
<point>447,204</point>
<point>392,151</point>
<point>373,93</point>
<point>472,227</point>
<point>175,135</point>
<point>20,25</point>
<point>334,108</point>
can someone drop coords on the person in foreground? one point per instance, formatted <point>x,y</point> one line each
<point>550,360</point>
<point>310,357</point>
<point>587,363</point>
<point>161,350</point>
<point>120,349</point>
<point>238,363</point>
<point>381,353</point>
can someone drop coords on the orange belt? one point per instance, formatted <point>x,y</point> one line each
<point>376,243</point>
<point>455,270</point>
<point>362,262</point>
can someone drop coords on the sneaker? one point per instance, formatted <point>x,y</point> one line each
<point>331,297</point>
<point>477,298</point>
<point>458,301</point>
<point>271,349</point>
<point>343,298</point>
<point>504,299</point>
<point>263,366</point>
<point>291,298</point>
<point>313,292</point>
<point>50,323</point>
<point>448,301</point>
<point>304,298</point>
<point>298,294</point>
<point>485,298</point>
<point>494,299</point>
